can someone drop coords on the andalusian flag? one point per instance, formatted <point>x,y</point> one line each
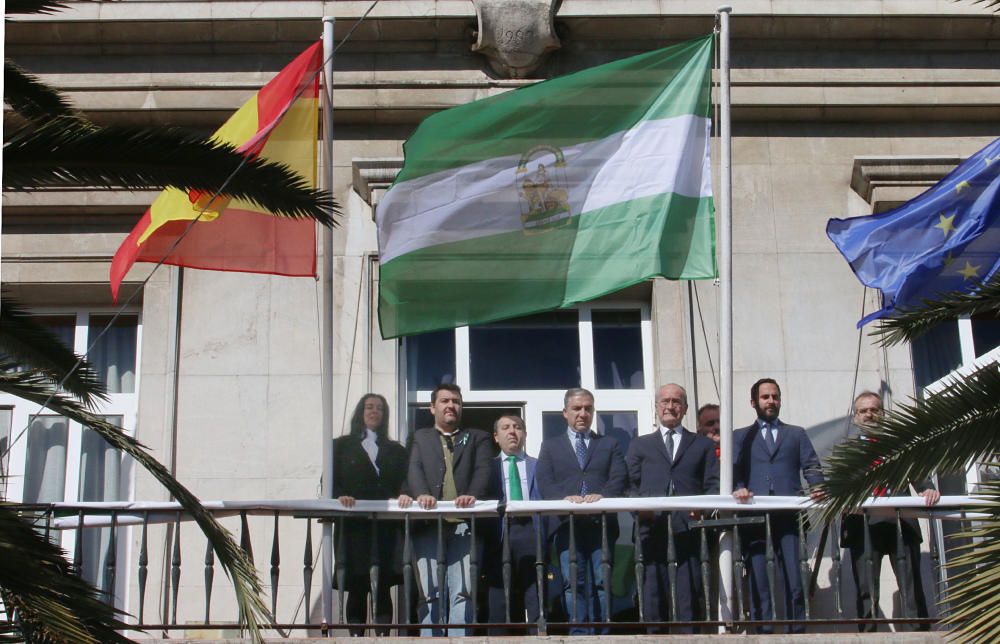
<point>556,193</point>
<point>280,123</point>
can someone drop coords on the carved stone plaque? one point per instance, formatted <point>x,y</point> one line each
<point>515,35</point>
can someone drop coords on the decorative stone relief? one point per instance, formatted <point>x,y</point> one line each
<point>515,35</point>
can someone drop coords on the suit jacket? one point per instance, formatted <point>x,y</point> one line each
<point>653,472</point>
<point>471,465</point>
<point>764,473</point>
<point>559,473</point>
<point>523,543</point>
<point>354,475</point>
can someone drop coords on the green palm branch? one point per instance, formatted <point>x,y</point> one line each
<point>68,151</point>
<point>35,348</point>
<point>50,601</point>
<point>945,432</point>
<point>35,387</point>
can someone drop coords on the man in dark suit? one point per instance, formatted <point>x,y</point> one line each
<point>770,458</point>
<point>447,463</point>
<point>883,538</point>
<point>581,466</point>
<point>671,461</point>
<point>514,471</point>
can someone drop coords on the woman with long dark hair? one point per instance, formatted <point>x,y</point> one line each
<point>368,465</point>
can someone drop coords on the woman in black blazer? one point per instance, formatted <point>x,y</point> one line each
<point>358,475</point>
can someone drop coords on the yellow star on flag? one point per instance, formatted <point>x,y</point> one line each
<point>962,185</point>
<point>970,272</point>
<point>949,259</point>
<point>946,224</point>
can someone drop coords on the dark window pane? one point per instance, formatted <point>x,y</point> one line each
<point>475,417</point>
<point>63,326</point>
<point>985,333</point>
<point>553,424</point>
<point>619,425</point>
<point>618,350</point>
<point>113,355</point>
<point>936,353</point>
<point>430,359</point>
<point>536,352</point>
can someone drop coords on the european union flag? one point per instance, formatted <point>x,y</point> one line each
<point>945,240</point>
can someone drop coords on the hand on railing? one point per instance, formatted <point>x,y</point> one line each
<point>346,501</point>
<point>931,496</point>
<point>590,498</point>
<point>743,495</point>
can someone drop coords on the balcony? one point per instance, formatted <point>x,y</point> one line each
<point>154,564</point>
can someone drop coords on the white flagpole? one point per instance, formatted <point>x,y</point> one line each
<point>725,312</point>
<point>327,323</point>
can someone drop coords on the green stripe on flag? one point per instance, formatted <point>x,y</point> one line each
<point>590,104</point>
<point>482,280</point>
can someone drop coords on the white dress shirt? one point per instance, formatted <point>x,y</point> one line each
<point>370,445</point>
<point>678,432</point>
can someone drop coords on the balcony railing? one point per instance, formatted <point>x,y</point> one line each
<point>143,559</point>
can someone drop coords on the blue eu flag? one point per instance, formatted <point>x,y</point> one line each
<point>945,240</point>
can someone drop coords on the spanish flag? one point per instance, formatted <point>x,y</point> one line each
<point>280,123</point>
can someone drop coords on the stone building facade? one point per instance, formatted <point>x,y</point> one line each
<point>840,108</point>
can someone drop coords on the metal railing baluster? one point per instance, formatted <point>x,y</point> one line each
<point>540,576</point>
<point>340,567</point>
<point>573,576</point>
<point>869,568</point>
<point>506,572</point>
<point>143,566</point>
<point>836,567</point>
<point>473,568</point>
<point>441,586</point>
<point>640,567</point>
<point>275,568</point>
<point>804,562</point>
<point>901,557</point>
<point>672,566</point>
<point>373,569</point>
<point>706,575</point>
<point>111,560</point>
<point>407,569</point>
<point>175,570</point>
<point>307,571</point>
<point>769,558</point>
<point>209,579</point>
<point>606,567</point>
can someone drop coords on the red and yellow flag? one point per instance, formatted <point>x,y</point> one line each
<point>280,124</point>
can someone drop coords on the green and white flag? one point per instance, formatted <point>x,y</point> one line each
<point>556,193</point>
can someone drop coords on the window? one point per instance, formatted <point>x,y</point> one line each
<point>50,459</point>
<point>525,365</point>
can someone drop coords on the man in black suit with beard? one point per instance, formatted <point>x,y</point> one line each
<point>672,461</point>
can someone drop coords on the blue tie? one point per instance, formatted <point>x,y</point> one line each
<point>581,457</point>
<point>768,438</point>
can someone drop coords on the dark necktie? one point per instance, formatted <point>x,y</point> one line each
<point>514,477</point>
<point>768,438</point>
<point>670,444</point>
<point>581,457</point>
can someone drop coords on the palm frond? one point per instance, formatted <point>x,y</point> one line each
<point>51,603</point>
<point>240,570</point>
<point>67,152</point>
<point>943,433</point>
<point>35,348</point>
<point>31,98</point>
<point>913,323</point>
<point>988,3</point>
<point>971,593</point>
<point>26,7</point>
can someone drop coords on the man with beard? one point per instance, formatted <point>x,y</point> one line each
<point>770,456</point>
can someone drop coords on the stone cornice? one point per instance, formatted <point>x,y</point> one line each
<point>898,178</point>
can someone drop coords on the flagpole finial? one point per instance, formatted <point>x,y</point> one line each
<point>724,9</point>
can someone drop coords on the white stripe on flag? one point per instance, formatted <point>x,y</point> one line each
<point>481,199</point>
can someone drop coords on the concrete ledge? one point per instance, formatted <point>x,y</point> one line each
<point>808,638</point>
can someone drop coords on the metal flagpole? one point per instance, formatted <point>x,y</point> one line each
<point>725,312</point>
<point>327,323</point>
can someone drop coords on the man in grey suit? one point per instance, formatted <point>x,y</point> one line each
<point>514,471</point>
<point>883,538</point>
<point>770,458</point>
<point>447,463</point>
<point>582,466</point>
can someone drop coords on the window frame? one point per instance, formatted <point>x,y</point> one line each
<point>535,402</point>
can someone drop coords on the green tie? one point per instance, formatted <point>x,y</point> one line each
<point>515,480</point>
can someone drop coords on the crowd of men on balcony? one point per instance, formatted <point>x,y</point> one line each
<point>449,462</point>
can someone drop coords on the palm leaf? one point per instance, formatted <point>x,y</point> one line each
<point>35,348</point>
<point>51,603</point>
<point>69,152</point>
<point>958,425</point>
<point>31,98</point>
<point>913,323</point>
<point>33,6</point>
<point>971,592</point>
<point>988,3</point>
<point>240,570</point>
